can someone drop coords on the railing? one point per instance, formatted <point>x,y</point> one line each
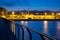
<point>43,36</point>
<point>19,27</point>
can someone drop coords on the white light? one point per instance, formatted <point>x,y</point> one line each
<point>26,22</point>
<point>45,26</point>
<point>13,12</point>
<point>58,13</point>
<point>22,22</point>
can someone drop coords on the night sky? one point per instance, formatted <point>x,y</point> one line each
<point>15,5</point>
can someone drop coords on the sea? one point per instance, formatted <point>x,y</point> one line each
<point>49,28</point>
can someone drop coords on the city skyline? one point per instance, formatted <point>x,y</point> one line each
<point>14,5</point>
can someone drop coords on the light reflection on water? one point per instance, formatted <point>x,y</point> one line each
<point>25,31</point>
<point>58,30</point>
<point>24,23</point>
<point>45,26</point>
<point>48,27</point>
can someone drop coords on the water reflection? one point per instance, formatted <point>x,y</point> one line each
<point>49,27</point>
<point>24,23</point>
<point>26,36</point>
<point>58,29</point>
<point>58,25</point>
<point>45,26</point>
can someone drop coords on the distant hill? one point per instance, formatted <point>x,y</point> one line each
<point>36,11</point>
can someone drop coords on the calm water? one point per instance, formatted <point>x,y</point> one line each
<point>51,28</point>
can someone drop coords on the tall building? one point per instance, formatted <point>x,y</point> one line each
<point>3,11</point>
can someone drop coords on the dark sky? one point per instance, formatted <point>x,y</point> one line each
<point>32,4</point>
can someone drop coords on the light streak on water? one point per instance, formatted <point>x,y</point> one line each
<point>58,29</point>
<point>58,25</point>
<point>26,23</point>
<point>25,31</point>
<point>22,22</point>
<point>45,26</point>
